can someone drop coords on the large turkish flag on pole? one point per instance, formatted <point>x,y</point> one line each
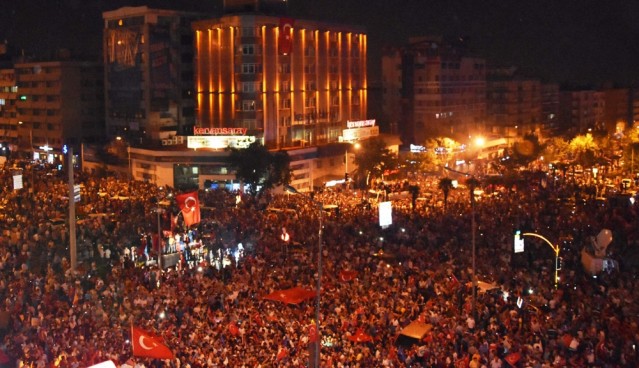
<point>190,207</point>
<point>145,345</point>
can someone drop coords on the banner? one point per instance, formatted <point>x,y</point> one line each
<point>189,207</point>
<point>286,35</point>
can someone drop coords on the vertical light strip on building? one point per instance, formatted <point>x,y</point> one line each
<point>265,109</point>
<point>198,48</point>
<point>220,97</point>
<point>232,86</point>
<point>209,53</point>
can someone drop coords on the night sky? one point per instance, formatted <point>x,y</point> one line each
<point>579,42</point>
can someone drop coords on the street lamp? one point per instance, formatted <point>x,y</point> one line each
<point>319,205</point>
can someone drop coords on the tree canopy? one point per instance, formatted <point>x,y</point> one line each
<point>374,158</point>
<point>259,168</point>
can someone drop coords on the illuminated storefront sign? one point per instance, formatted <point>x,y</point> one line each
<point>219,131</point>
<point>349,135</point>
<point>360,123</point>
<point>220,142</point>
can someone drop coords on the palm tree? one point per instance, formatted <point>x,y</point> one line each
<point>472,183</point>
<point>445,184</point>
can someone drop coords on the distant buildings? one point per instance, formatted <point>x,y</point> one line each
<point>432,88</point>
<point>580,110</point>
<point>514,104</point>
<point>148,68</point>
<point>58,103</point>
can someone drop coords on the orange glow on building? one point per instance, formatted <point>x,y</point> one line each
<point>288,100</point>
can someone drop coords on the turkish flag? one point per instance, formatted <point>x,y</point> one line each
<point>512,358</point>
<point>283,353</point>
<point>286,35</point>
<point>190,207</point>
<point>145,345</point>
<point>347,275</point>
<point>233,329</point>
<point>313,334</point>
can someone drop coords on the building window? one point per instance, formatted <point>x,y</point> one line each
<point>248,68</point>
<point>286,86</point>
<point>248,31</point>
<point>310,102</point>
<point>248,49</point>
<point>286,103</point>
<point>284,68</point>
<point>248,105</point>
<point>250,87</point>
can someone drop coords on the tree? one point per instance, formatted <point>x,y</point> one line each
<point>556,149</point>
<point>374,158</point>
<point>582,149</point>
<point>445,184</point>
<point>259,168</point>
<point>472,183</point>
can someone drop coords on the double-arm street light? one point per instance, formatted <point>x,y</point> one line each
<point>320,208</point>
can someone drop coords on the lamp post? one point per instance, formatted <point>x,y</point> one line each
<point>555,249</point>
<point>319,205</point>
<point>472,184</point>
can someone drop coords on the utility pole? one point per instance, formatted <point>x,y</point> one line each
<point>72,240</point>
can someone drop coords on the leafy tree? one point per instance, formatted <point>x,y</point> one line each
<point>445,184</point>
<point>374,158</point>
<point>259,168</point>
<point>583,149</point>
<point>556,149</point>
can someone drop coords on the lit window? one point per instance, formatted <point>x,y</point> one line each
<point>248,105</point>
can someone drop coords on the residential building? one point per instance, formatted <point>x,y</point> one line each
<point>442,88</point>
<point>514,105</point>
<point>581,110</point>
<point>617,109</point>
<point>8,110</point>
<point>148,68</point>
<point>60,103</point>
<point>550,106</point>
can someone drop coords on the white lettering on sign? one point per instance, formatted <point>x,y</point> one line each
<point>219,131</point>
<point>360,123</point>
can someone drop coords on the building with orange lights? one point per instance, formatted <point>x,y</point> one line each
<point>291,83</point>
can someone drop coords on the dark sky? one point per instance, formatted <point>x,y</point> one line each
<point>580,42</point>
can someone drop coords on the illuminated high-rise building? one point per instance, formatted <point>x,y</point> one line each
<point>289,82</point>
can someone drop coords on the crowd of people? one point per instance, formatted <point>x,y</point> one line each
<point>213,314</point>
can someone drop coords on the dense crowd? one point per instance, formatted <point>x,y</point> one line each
<point>418,269</point>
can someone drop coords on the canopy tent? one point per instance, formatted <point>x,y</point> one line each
<point>294,295</point>
<point>413,333</point>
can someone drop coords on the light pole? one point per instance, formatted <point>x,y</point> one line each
<point>555,249</point>
<point>319,205</point>
<point>472,184</point>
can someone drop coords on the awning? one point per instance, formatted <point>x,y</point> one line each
<point>416,330</point>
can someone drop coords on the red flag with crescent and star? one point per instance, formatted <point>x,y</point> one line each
<point>286,35</point>
<point>146,345</point>
<point>190,207</point>
<point>313,334</point>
